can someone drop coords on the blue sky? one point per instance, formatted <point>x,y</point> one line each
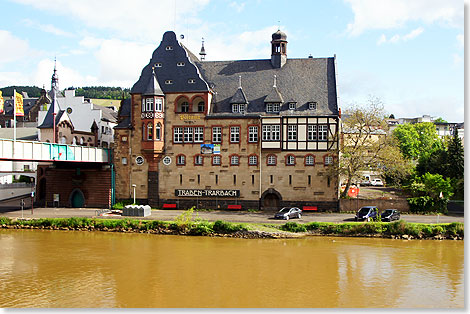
<point>408,53</point>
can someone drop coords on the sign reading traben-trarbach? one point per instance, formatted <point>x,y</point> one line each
<point>207,193</point>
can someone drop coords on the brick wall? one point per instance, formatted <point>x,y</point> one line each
<point>95,184</point>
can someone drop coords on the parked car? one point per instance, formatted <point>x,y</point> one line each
<point>390,215</point>
<point>368,213</point>
<point>376,182</point>
<point>288,213</point>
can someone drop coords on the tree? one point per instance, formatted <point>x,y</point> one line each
<point>417,140</point>
<point>455,157</point>
<point>440,120</point>
<point>430,192</point>
<point>365,144</point>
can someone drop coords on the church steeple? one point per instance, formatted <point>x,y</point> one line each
<point>202,53</point>
<point>279,49</point>
<point>55,78</point>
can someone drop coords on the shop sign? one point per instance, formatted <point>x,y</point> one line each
<point>210,148</point>
<point>184,117</point>
<point>206,193</point>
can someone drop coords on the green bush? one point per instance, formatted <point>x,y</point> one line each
<point>227,227</point>
<point>293,227</point>
<point>202,228</point>
<point>455,229</point>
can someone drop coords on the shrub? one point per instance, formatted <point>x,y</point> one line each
<point>227,227</point>
<point>455,229</point>
<point>293,227</point>
<point>202,228</point>
<point>5,221</point>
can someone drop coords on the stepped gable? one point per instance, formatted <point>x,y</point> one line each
<point>165,61</point>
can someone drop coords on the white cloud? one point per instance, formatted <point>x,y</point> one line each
<point>13,48</point>
<point>143,19</point>
<point>237,6</point>
<point>397,38</point>
<point>48,28</point>
<point>388,14</point>
<point>67,76</point>
<point>458,60</point>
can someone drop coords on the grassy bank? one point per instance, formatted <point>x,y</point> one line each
<point>186,226</point>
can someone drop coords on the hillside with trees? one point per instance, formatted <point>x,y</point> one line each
<point>96,92</point>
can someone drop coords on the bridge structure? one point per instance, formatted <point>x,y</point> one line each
<point>67,175</point>
<point>11,150</point>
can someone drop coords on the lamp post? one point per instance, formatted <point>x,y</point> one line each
<point>133,186</point>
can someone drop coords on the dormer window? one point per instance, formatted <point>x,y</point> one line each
<point>191,81</point>
<point>273,107</point>
<point>292,106</point>
<point>238,108</point>
<point>169,48</point>
<point>312,105</point>
<point>158,65</point>
<point>180,64</point>
<point>169,82</point>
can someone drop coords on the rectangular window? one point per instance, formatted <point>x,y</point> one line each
<point>234,160</point>
<point>181,160</point>
<point>269,107</point>
<point>271,132</point>
<point>290,179</point>
<point>124,160</point>
<point>178,135</point>
<point>181,179</point>
<point>252,134</point>
<point>322,132</point>
<point>241,108</point>
<point>312,105</point>
<point>235,108</point>
<point>216,134</point>
<point>216,179</point>
<point>159,105</point>
<point>312,132</point>
<point>292,132</point>
<point>276,107</point>
<point>234,179</point>
<point>188,135</point>
<point>272,160</point>
<point>309,180</point>
<point>292,105</point>
<point>252,179</point>
<point>149,104</point>
<point>271,179</point>
<point>198,179</point>
<point>198,134</point>
<point>234,134</point>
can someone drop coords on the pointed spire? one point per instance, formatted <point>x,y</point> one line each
<point>239,97</point>
<point>55,77</point>
<point>202,53</point>
<point>274,96</point>
<point>153,88</point>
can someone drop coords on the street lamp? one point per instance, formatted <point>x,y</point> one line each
<point>134,192</point>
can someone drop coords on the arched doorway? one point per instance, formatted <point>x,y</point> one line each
<point>271,199</point>
<point>77,199</point>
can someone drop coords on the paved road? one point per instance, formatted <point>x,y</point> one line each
<point>234,216</point>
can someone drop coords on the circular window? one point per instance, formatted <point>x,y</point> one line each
<point>167,160</point>
<point>69,110</point>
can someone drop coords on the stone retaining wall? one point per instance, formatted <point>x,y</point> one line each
<point>346,205</point>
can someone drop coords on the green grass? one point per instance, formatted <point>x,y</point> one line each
<point>187,225</point>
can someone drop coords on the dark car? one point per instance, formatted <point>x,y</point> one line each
<point>368,213</point>
<point>288,212</point>
<point>390,215</point>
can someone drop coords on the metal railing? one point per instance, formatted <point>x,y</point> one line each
<point>40,151</point>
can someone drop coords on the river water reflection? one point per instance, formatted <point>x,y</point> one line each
<point>97,269</point>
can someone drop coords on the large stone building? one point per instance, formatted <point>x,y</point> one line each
<point>219,134</point>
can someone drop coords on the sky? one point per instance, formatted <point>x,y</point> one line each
<point>409,54</point>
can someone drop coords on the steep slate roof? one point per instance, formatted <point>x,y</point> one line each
<point>169,69</point>
<point>274,96</point>
<point>125,115</point>
<point>153,88</point>
<point>107,114</point>
<point>239,97</point>
<point>299,80</point>
<point>49,118</point>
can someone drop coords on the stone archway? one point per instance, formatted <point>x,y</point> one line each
<point>271,199</point>
<point>77,198</point>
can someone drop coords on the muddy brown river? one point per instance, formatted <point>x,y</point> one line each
<point>43,268</point>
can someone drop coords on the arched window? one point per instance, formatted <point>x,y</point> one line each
<point>309,160</point>
<point>253,160</point>
<point>82,140</point>
<point>198,104</point>
<point>181,160</point>
<point>290,160</point>
<point>158,131</point>
<point>182,105</point>
<point>63,140</point>
<point>271,160</point>
<point>74,141</point>
<point>234,160</point>
<point>150,131</point>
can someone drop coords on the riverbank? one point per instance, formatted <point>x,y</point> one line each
<point>184,225</point>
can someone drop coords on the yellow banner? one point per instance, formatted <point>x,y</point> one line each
<point>1,102</point>
<point>19,105</point>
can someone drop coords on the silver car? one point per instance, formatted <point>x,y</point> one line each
<point>288,213</point>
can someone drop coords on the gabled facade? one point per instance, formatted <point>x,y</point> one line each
<point>255,133</point>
